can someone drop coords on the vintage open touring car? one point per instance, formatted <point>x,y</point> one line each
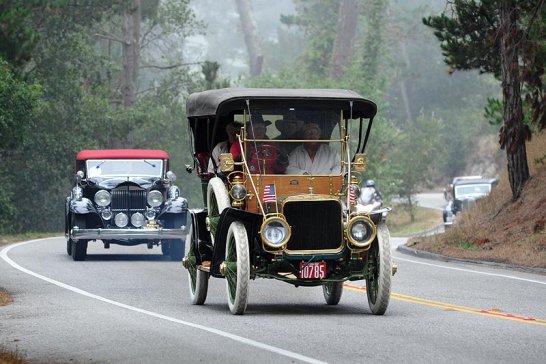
<point>126,197</point>
<point>283,205</point>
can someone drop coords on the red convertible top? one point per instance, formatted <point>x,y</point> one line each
<point>122,154</point>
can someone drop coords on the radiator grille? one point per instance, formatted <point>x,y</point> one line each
<point>128,199</point>
<point>316,225</point>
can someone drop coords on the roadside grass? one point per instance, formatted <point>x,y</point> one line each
<point>9,239</point>
<point>10,357</point>
<point>497,228</point>
<point>400,224</point>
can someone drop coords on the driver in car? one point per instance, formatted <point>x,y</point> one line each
<point>313,157</point>
<point>262,157</point>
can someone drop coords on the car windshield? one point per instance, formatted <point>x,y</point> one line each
<point>472,190</point>
<point>124,168</point>
<point>307,140</point>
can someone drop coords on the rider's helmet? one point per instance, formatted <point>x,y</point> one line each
<point>370,183</point>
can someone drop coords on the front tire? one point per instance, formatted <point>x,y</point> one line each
<point>69,246</point>
<point>217,201</point>
<point>332,292</point>
<point>237,268</point>
<point>378,286</point>
<point>78,249</point>
<point>198,280</point>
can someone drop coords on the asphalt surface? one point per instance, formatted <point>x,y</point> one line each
<point>131,305</point>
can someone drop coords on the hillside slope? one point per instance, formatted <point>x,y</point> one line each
<point>498,229</point>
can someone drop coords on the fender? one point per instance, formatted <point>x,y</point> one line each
<point>175,206</point>
<point>252,223</point>
<point>84,206</point>
<point>202,243</point>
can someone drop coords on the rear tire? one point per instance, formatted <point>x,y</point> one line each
<point>197,279</point>
<point>332,292</point>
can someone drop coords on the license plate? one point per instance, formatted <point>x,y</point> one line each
<point>312,270</point>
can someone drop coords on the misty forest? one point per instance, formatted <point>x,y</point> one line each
<point>458,84</point>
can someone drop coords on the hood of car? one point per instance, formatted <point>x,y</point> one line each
<point>113,182</point>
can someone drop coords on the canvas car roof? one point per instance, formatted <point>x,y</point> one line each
<point>122,154</point>
<point>213,102</point>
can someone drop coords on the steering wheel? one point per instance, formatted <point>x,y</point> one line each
<point>268,155</point>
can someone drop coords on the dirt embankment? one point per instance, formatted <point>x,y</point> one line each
<point>499,229</point>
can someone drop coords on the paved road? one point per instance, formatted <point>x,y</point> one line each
<point>130,305</point>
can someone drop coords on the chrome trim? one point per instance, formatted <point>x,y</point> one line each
<point>147,234</point>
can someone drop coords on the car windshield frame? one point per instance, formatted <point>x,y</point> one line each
<point>112,168</point>
<point>472,189</point>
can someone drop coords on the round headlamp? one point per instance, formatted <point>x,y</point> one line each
<point>238,192</point>
<point>155,198</point>
<point>103,198</point>
<point>275,232</point>
<point>121,220</point>
<point>361,231</point>
<point>137,219</point>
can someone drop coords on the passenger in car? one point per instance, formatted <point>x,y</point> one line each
<point>314,157</point>
<point>262,157</point>
<point>290,128</point>
<point>224,147</point>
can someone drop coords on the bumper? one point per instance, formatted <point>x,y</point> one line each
<point>145,234</point>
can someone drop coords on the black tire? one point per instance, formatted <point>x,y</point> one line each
<point>175,247</point>
<point>237,268</point>
<point>197,279</point>
<point>332,292</point>
<point>69,246</point>
<point>165,247</point>
<point>378,286</point>
<point>79,248</point>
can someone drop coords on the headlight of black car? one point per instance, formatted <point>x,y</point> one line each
<point>155,198</point>
<point>103,198</point>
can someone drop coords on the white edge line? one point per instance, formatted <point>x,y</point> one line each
<point>250,342</point>
<point>470,271</point>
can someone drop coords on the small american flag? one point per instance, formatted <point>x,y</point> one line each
<point>352,194</point>
<point>269,193</point>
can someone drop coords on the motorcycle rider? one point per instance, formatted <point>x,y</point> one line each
<point>369,198</point>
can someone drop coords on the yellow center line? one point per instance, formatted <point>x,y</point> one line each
<point>450,307</point>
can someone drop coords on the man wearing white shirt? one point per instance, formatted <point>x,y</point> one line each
<point>223,147</point>
<point>313,158</point>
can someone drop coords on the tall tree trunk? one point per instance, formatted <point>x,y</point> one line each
<point>513,132</point>
<point>252,39</point>
<point>345,32</point>
<point>131,50</point>
<point>403,88</point>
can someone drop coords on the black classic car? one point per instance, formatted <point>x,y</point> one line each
<point>269,213</point>
<point>126,197</point>
<point>464,192</point>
